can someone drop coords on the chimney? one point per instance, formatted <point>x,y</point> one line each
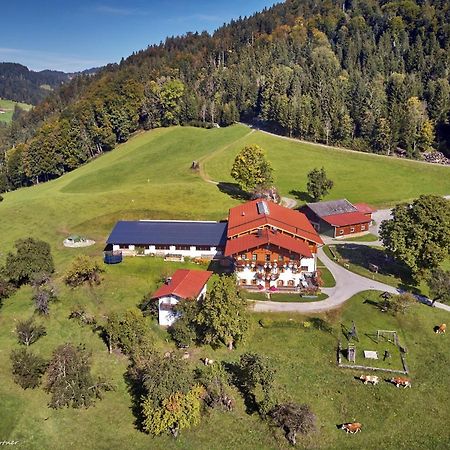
<point>168,280</point>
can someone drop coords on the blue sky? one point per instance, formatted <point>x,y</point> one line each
<point>76,35</point>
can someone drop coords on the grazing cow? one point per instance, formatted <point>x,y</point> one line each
<point>186,355</point>
<point>369,379</point>
<point>208,362</point>
<point>352,427</point>
<point>441,328</point>
<point>400,381</point>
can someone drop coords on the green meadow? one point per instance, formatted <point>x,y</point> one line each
<point>7,106</point>
<point>150,177</point>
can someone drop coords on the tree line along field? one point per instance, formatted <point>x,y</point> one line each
<point>8,107</point>
<point>150,177</point>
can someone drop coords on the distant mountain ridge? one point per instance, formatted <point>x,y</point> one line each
<point>21,84</point>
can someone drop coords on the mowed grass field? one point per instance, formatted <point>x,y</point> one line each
<point>150,177</point>
<point>8,107</point>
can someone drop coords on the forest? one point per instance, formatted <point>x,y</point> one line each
<point>368,75</point>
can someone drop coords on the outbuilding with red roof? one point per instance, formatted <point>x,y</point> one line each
<point>339,218</point>
<point>183,284</point>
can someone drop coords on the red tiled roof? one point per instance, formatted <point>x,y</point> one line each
<point>184,284</point>
<point>364,208</point>
<point>250,241</point>
<point>342,220</point>
<point>246,217</point>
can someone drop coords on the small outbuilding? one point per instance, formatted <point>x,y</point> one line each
<point>338,218</point>
<point>184,284</point>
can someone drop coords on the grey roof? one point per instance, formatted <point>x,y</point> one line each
<point>163,232</point>
<point>323,209</point>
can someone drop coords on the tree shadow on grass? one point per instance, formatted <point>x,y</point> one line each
<point>233,190</point>
<point>365,256</point>
<point>136,390</point>
<point>234,370</point>
<point>302,196</point>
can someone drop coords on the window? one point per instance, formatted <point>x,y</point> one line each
<point>254,281</point>
<point>280,257</point>
<point>182,247</point>
<point>243,282</point>
<point>341,231</point>
<point>123,246</point>
<point>268,257</point>
<point>304,268</point>
<point>205,248</point>
<point>363,227</point>
<point>254,257</point>
<point>280,283</point>
<point>244,256</point>
<point>162,247</point>
<point>352,229</point>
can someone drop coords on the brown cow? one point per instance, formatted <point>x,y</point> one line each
<point>441,328</point>
<point>352,427</point>
<point>400,381</point>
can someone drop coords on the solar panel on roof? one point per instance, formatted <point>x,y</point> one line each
<point>263,208</point>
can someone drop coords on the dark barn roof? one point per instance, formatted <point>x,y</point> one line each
<point>162,232</point>
<point>331,208</point>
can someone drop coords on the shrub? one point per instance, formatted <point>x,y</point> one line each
<point>42,296</point>
<point>27,368</point>
<point>83,270</point>
<point>398,304</point>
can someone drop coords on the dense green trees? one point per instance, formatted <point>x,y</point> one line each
<point>370,75</point>
<point>419,233</point>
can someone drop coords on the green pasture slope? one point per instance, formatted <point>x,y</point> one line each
<point>359,177</point>
<point>8,107</point>
<point>150,177</point>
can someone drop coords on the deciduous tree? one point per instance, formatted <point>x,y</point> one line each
<point>223,315</point>
<point>294,418</point>
<point>31,258</point>
<point>28,332</point>
<point>83,270</point>
<point>318,184</point>
<point>69,379</point>
<point>251,168</point>
<point>27,368</point>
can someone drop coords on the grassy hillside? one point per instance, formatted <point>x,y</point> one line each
<point>360,177</point>
<point>150,177</point>
<point>7,106</point>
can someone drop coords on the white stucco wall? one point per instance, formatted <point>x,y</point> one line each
<point>191,253</point>
<point>168,318</point>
